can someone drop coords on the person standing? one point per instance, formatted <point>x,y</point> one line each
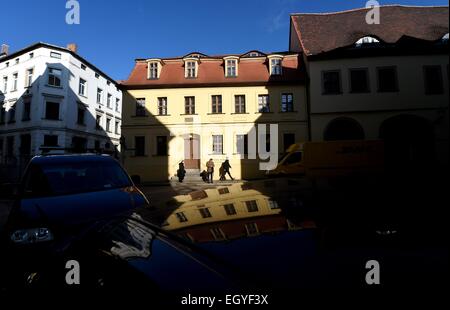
<point>226,169</point>
<point>210,170</point>
<point>181,173</point>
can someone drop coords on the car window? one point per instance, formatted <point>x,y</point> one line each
<point>76,177</point>
<point>293,158</point>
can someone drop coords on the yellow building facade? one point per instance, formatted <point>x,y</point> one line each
<point>169,116</point>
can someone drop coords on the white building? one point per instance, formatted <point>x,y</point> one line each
<point>386,81</point>
<point>51,97</point>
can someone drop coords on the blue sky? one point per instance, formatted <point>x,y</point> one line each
<point>112,33</point>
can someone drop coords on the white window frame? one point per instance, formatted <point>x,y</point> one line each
<point>15,81</point>
<point>82,86</point>
<point>29,77</point>
<point>191,68</point>
<point>55,55</point>
<point>217,145</point>
<point>162,105</point>
<point>99,96</point>
<point>366,40</point>
<point>262,103</point>
<point>276,66</point>
<point>231,66</point>
<point>5,84</point>
<point>108,100</point>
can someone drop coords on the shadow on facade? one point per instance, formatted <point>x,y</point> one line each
<point>292,124</point>
<point>48,119</point>
<point>145,148</point>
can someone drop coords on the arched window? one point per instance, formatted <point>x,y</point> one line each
<point>366,40</point>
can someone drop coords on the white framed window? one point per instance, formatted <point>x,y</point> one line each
<point>29,77</point>
<point>191,69</point>
<point>108,100</point>
<point>117,105</point>
<point>162,106</point>
<point>217,144</point>
<point>140,107</point>
<point>5,84</point>
<point>275,66</point>
<point>54,77</point>
<point>14,81</point>
<point>153,70</point>
<point>263,104</point>
<point>287,102</point>
<point>108,124</point>
<point>55,55</point>
<point>17,61</point>
<point>82,87</point>
<point>231,67</point>
<point>99,96</point>
<point>366,40</point>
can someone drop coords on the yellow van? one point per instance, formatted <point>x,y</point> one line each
<point>331,158</point>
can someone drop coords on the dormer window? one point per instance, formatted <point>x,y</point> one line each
<point>191,69</point>
<point>366,40</point>
<point>154,69</point>
<point>231,66</point>
<point>275,63</point>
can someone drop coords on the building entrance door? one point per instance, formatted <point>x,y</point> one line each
<point>192,151</point>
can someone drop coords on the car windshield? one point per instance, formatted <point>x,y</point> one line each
<point>75,177</point>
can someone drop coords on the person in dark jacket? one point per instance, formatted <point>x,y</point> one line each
<point>181,172</point>
<point>226,169</point>
<point>204,176</point>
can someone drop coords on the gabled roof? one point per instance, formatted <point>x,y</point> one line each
<point>211,72</point>
<point>320,33</point>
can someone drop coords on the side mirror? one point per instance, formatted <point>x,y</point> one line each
<point>9,191</point>
<point>136,179</point>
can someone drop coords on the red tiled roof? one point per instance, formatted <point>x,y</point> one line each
<point>211,71</point>
<point>320,33</point>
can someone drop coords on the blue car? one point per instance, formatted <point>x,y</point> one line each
<point>60,194</point>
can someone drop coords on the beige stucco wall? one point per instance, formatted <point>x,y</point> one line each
<point>176,126</point>
<point>373,108</point>
<point>411,93</point>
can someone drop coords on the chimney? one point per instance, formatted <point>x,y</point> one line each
<point>4,50</point>
<point>72,47</point>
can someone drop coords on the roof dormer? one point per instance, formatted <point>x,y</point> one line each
<point>275,64</point>
<point>231,66</point>
<point>366,40</point>
<point>253,54</point>
<point>191,67</point>
<point>154,67</point>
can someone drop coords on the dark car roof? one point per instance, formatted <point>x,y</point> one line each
<point>71,158</point>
